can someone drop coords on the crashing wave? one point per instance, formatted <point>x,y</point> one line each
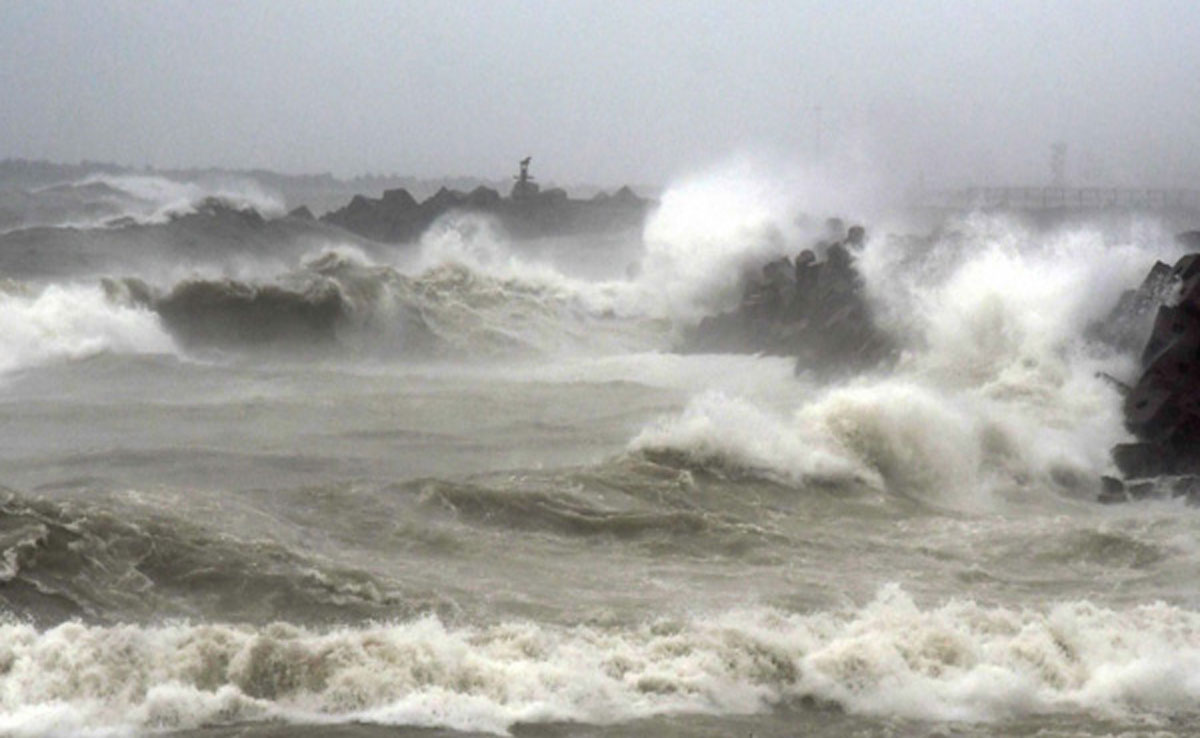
<point>338,302</point>
<point>40,325</point>
<point>959,661</point>
<point>996,389</point>
<point>113,201</point>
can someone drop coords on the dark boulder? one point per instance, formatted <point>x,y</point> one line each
<point>528,212</point>
<point>1162,409</point>
<point>397,201</point>
<point>625,196</point>
<point>1126,325</point>
<point>359,205</point>
<point>396,216</point>
<point>483,197</point>
<point>813,310</point>
<point>443,200</point>
<point>554,195</point>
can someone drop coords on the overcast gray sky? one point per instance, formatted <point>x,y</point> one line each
<point>609,91</point>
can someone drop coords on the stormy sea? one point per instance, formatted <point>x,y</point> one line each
<point>262,477</point>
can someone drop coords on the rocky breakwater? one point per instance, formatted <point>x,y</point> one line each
<point>397,217</point>
<point>1162,408</point>
<point>812,307</point>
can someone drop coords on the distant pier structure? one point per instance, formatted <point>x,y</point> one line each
<point>1060,198</point>
<point>524,188</point>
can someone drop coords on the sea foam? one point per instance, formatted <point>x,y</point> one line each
<point>72,322</point>
<point>995,389</point>
<point>958,660</point>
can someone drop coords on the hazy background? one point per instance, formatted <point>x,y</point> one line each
<point>610,91</point>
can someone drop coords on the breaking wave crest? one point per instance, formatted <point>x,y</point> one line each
<point>338,303</point>
<point>339,300</point>
<point>997,390</point>
<point>956,661</point>
<point>158,199</point>
<point>72,322</point>
<point>704,236</point>
<point>103,201</point>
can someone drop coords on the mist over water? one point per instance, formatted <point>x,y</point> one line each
<point>262,473</point>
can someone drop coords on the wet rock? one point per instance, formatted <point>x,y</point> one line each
<point>1126,325</point>
<point>444,199</point>
<point>811,309</point>
<point>1162,409</point>
<point>1140,459</point>
<point>1185,486</point>
<point>394,217</point>
<point>483,197</point>
<point>1112,490</point>
<point>625,196</point>
<point>554,195</point>
<point>528,212</point>
<point>398,201</point>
